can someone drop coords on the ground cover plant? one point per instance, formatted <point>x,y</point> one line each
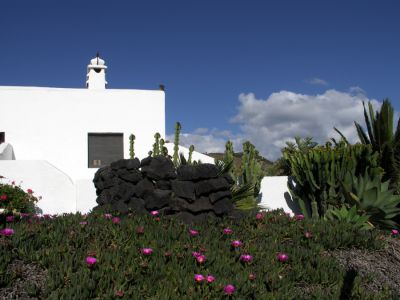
<point>262,256</point>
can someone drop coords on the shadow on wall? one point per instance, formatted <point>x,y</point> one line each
<point>6,152</point>
<point>293,205</point>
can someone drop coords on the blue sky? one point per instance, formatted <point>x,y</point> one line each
<point>258,70</point>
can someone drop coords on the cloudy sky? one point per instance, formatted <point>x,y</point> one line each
<point>263,71</point>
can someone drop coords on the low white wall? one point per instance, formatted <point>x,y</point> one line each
<point>6,151</point>
<point>85,195</point>
<point>274,194</point>
<point>55,187</point>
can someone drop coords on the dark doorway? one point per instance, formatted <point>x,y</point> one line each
<point>2,137</point>
<point>104,148</point>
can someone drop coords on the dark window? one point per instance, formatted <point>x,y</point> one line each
<point>104,148</point>
<point>2,137</point>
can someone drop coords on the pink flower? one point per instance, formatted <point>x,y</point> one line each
<point>24,215</point>
<point>259,216</point>
<point>46,216</point>
<point>13,182</point>
<point>119,293</point>
<point>198,277</point>
<point>228,231</point>
<point>307,234</point>
<point>140,230</point>
<point>29,191</point>
<point>193,232</point>
<point>83,223</point>
<point>108,216</point>
<point>282,257</point>
<point>10,219</point>
<point>196,254</point>
<point>201,259</point>
<point>210,278</point>
<point>154,212</point>
<point>395,232</point>
<point>167,253</point>
<point>116,220</point>
<point>252,276</point>
<point>229,289</point>
<point>147,251</point>
<point>90,261</point>
<point>236,244</point>
<point>246,258</point>
<point>3,197</point>
<point>7,231</point>
<point>299,217</point>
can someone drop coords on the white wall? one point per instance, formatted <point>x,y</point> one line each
<point>55,187</point>
<point>185,151</point>
<point>6,151</point>
<point>52,124</point>
<point>274,194</point>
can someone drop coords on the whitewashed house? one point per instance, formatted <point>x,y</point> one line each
<point>53,140</point>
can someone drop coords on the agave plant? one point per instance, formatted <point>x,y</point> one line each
<point>382,139</point>
<point>372,198</point>
<point>349,216</point>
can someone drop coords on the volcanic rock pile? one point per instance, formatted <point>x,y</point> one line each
<point>192,193</point>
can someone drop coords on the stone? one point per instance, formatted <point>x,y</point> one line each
<point>214,197</point>
<point>104,198</point>
<point>133,176</point>
<point>137,205</point>
<point>159,168</point>
<point>229,178</point>
<point>206,187</point>
<point>197,172</point>
<point>189,218</point>
<point>163,185</point>
<point>123,192</point>
<point>129,164</point>
<point>120,207</point>
<point>144,187</point>
<point>199,205</point>
<point>157,199</point>
<point>223,206</point>
<point>184,189</point>
<point>145,161</point>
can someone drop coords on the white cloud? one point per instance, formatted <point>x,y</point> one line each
<point>317,81</point>
<point>269,123</point>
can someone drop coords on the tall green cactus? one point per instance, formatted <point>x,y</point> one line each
<point>251,168</point>
<point>175,157</point>
<point>191,149</point>
<point>316,175</point>
<point>229,158</point>
<point>131,146</point>
<point>156,145</point>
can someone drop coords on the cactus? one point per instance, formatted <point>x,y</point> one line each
<point>191,149</point>
<point>316,175</point>
<point>131,146</point>
<point>229,158</point>
<point>161,151</point>
<point>156,145</point>
<point>251,168</point>
<point>176,144</point>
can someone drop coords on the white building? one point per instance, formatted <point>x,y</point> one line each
<point>75,131</point>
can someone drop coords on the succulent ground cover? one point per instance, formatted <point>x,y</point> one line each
<point>262,256</point>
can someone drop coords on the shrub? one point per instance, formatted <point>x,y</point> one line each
<point>14,198</point>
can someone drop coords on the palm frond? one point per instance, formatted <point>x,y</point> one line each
<point>361,134</point>
<point>342,136</point>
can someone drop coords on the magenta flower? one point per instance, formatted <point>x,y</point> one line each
<point>228,231</point>
<point>210,278</point>
<point>119,293</point>
<point>229,289</point>
<point>83,223</point>
<point>147,251</point>
<point>10,219</point>
<point>196,254</point>
<point>46,216</point>
<point>24,215</point>
<point>236,243</point>
<point>198,278</point>
<point>395,232</point>
<point>201,259</point>
<point>116,220</point>
<point>108,216</point>
<point>259,216</point>
<point>7,231</point>
<point>193,232</point>
<point>154,212</point>
<point>246,258</point>
<point>3,197</point>
<point>299,217</point>
<point>29,191</point>
<point>90,261</point>
<point>307,234</point>
<point>282,257</point>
